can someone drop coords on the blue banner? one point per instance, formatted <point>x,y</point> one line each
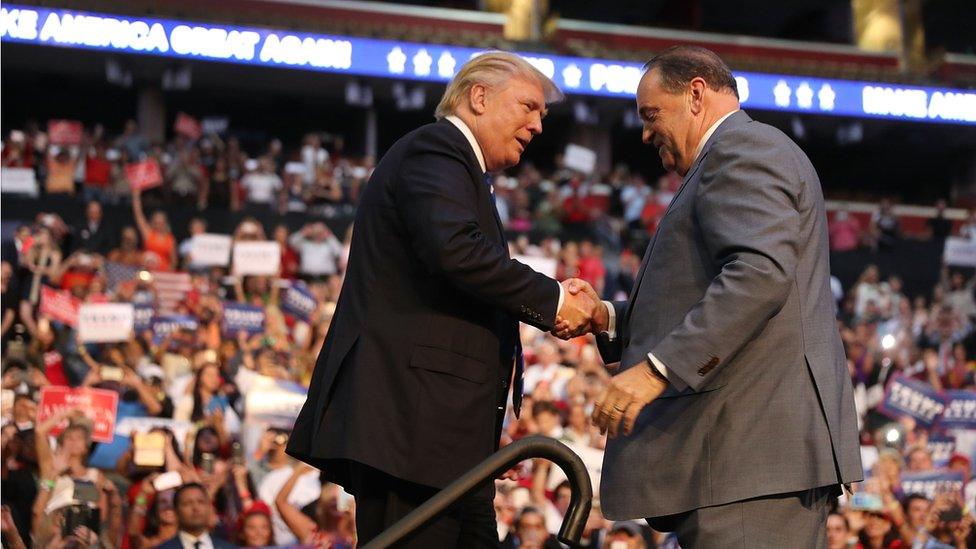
<point>239,317</point>
<point>164,325</point>
<point>909,397</point>
<point>941,447</point>
<point>299,301</point>
<point>247,45</point>
<point>960,410</point>
<point>931,483</point>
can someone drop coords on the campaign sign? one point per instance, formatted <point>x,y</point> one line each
<point>144,175</point>
<point>105,322</point>
<point>98,405</point>
<point>142,317</point>
<point>274,402</point>
<point>960,410</point>
<point>239,317</point>
<point>931,483</point>
<point>187,126</point>
<point>59,305</point>
<point>210,250</point>
<point>162,326</point>
<point>64,132</point>
<point>960,251</point>
<point>579,158</point>
<point>127,426</point>
<point>909,397</point>
<point>18,181</point>
<point>941,447</point>
<point>298,301</point>
<point>257,258</point>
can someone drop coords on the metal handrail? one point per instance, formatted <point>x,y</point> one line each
<point>496,464</point>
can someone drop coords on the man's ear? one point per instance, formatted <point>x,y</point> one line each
<point>477,98</point>
<point>696,94</point>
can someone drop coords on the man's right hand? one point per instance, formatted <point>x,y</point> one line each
<point>582,311</point>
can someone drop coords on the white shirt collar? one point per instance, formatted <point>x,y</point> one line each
<point>470,137</point>
<point>187,540</point>
<point>711,130</point>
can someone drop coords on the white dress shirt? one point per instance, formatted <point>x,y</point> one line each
<point>188,541</point>
<point>612,324</point>
<point>476,147</point>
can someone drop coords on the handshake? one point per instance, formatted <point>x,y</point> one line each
<point>582,311</point>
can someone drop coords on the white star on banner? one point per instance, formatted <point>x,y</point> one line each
<point>782,93</point>
<point>396,60</point>
<point>421,63</point>
<point>826,96</point>
<point>572,76</point>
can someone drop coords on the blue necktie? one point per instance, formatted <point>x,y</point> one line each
<point>488,186</point>
<point>517,383</point>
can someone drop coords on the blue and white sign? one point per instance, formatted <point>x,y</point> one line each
<point>941,447</point>
<point>165,325</point>
<point>960,410</point>
<point>931,483</point>
<point>438,63</point>
<point>299,301</point>
<point>239,317</point>
<point>909,397</point>
<point>142,318</point>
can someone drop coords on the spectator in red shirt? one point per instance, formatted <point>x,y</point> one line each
<point>98,172</point>
<point>289,257</point>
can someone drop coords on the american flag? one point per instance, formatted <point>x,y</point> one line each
<point>117,273</point>
<point>171,290</point>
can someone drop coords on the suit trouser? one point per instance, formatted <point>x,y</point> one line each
<point>382,500</point>
<point>794,520</point>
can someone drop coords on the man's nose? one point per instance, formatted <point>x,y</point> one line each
<point>646,136</point>
<point>535,124</point>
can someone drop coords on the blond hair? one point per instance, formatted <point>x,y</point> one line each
<point>492,69</point>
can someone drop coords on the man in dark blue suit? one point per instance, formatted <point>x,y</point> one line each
<point>194,513</point>
<point>410,388</point>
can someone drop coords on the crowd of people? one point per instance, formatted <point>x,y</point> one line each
<point>194,457</point>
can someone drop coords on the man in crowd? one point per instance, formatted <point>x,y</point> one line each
<point>194,512</point>
<point>410,388</point>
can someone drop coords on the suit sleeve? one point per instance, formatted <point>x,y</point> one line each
<point>437,202</point>
<point>746,206</point>
<point>612,348</point>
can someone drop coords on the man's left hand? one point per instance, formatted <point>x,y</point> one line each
<point>627,394</point>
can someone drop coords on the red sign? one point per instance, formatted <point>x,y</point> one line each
<point>187,126</point>
<point>144,175</point>
<point>59,305</point>
<point>99,405</point>
<point>64,132</point>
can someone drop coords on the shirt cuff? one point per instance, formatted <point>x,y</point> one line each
<point>612,323</point>
<point>562,296</point>
<point>659,365</point>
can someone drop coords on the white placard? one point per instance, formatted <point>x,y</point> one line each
<point>960,252</point>
<point>544,265</point>
<point>579,158</point>
<point>105,322</point>
<point>210,250</point>
<point>18,180</point>
<point>257,258</point>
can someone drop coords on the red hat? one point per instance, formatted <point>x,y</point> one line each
<point>257,507</point>
<point>957,457</point>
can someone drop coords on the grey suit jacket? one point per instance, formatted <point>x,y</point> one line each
<point>733,297</point>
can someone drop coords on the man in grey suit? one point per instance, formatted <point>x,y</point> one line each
<point>731,417</point>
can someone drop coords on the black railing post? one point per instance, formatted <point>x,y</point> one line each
<point>496,464</point>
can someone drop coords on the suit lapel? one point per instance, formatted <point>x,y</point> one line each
<point>734,120</point>
<point>481,188</point>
